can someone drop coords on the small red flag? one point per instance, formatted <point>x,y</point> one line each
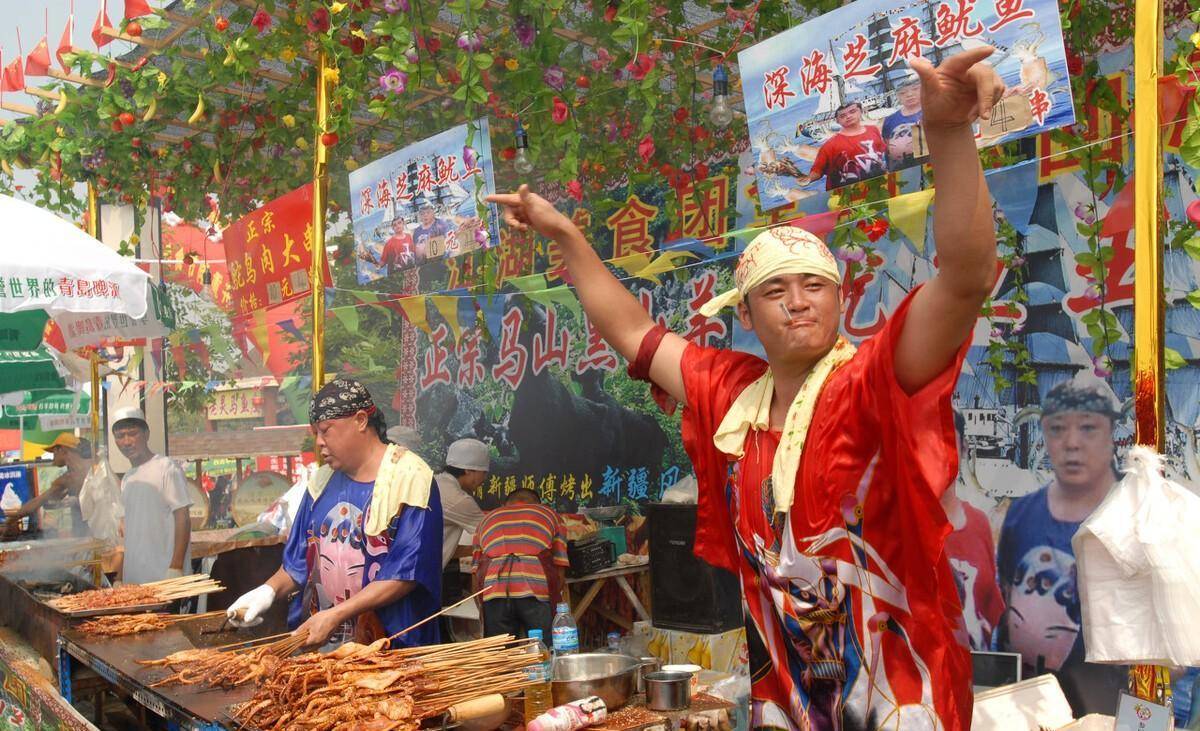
<point>64,45</point>
<point>102,21</point>
<point>13,78</point>
<point>38,63</point>
<point>136,9</point>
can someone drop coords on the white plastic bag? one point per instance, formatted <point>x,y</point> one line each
<point>1138,558</point>
<point>100,500</point>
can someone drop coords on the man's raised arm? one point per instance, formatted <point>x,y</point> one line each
<point>616,314</point>
<point>943,313</point>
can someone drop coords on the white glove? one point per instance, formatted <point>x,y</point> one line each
<point>247,611</point>
<point>173,573</point>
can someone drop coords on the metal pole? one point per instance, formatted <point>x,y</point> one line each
<point>93,229</point>
<point>320,193</point>
<point>1148,681</point>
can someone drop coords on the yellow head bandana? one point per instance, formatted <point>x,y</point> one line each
<point>776,251</point>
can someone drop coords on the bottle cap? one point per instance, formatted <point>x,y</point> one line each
<point>563,607</point>
<point>535,634</point>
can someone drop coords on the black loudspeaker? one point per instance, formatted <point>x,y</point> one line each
<point>686,593</point>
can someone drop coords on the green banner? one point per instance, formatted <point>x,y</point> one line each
<point>22,330</point>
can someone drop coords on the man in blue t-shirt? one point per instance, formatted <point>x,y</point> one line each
<point>362,575</point>
<point>900,127</point>
<point>431,232</point>
<point>1035,563</point>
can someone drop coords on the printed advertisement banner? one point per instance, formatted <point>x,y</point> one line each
<point>847,107</point>
<point>422,202</point>
<point>269,253</point>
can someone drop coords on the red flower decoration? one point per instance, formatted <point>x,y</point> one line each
<point>575,190</point>
<point>640,66</point>
<point>433,45</point>
<point>610,13</point>
<point>681,115</point>
<point>560,111</point>
<point>701,171</point>
<point>261,20</point>
<point>645,148</point>
<point>508,153</point>
<point>874,230</point>
<point>1074,64</point>
<point>318,22</point>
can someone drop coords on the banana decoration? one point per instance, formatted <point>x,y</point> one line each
<point>217,171</point>
<point>198,114</point>
<point>62,102</point>
<point>151,110</point>
<point>6,168</point>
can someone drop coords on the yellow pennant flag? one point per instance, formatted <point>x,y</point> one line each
<point>414,310</point>
<point>908,213</point>
<point>632,263</point>
<point>663,264</point>
<point>261,334</point>
<point>448,305</point>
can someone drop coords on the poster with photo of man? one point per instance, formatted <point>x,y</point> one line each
<point>423,202</point>
<point>828,108</point>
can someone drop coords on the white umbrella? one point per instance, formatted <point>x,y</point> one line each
<point>46,263</point>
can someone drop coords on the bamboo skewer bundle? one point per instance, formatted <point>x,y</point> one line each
<point>224,668</point>
<point>381,688</point>
<point>123,625</point>
<point>130,595</point>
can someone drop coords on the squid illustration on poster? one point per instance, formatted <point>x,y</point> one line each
<point>422,202</point>
<point>827,111</point>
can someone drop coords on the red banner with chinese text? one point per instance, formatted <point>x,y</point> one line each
<point>269,253</point>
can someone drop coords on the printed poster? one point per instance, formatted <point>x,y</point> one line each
<point>825,111</point>
<point>422,203</point>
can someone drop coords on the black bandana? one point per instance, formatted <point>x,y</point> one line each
<point>338,399</point>
<point>1079,395</point>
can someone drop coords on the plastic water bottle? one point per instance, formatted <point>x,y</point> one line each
<point>566,633</point>
<point>614,642</point>
<point>538,698</point>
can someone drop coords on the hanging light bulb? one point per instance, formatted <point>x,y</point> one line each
<point>206,278</point>
<point>522,163</point>
<point>720,114</point>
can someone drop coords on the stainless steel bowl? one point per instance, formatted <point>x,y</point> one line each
<point>612,677</point>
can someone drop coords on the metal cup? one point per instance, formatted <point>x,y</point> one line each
<point>668,691</point>
<point>648,664</point>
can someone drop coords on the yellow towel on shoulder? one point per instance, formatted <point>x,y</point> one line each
<point>403,479</point>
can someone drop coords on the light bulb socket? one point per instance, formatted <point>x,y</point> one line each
<point>206,277</point>
<point>522,137</point>
<point>720,81</point>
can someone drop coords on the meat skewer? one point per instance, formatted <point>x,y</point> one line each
<point>122,625</point>
<point>132,595</point>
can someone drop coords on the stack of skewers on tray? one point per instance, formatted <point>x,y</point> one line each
<point>134,596</point>
<point>124,625</point>
<point>372,688</point>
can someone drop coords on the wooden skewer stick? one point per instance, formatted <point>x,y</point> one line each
<point>437,614</point>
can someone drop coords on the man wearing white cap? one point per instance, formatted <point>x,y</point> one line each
<point>155,498</point>
<point>467,465</point>
<point>853,618</point>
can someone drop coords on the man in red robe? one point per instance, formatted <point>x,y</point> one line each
<point>820,468</point>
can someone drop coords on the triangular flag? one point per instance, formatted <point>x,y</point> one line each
<point>180,360</point>
<point>137,8</point>
<point>632,263</point>
<point>347,316</point>
<point>447,305</point>
<point>817,224</point>
<point>289,326</point>
<point>202,353</point>
<point>493,314</point>
<point>66,43</point>
<point>1015,191</point>
<point>38,62</point>
<point>102,22</point>
<point>663,264</point>
<point>559,296</point>
<point>262,334</point>
<point>529,283</point>
<point>1119,218</point>
<point>909,212</point>
<point>415,312</point>
<point>13,77</point>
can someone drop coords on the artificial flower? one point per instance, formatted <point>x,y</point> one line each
<point>261,20</point>
<point>332,75</point>
<point>469,41</point>
<point>555,77</point>
<point>395,6</point>
<point>559,112</point>
<point>287,55</point>
<point>640,66</point>
<point>874,230</point>
<point>394,81</point>
<point>318,21</point>
<point>575,190</point>
<point>525,31</point>
<point>511,64</point>
<point>336,8</point>
<point>289,121</point>
<point>645,148</point>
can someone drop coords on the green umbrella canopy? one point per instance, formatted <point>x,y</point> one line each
<point>26,370</point>
<point>22,330</point>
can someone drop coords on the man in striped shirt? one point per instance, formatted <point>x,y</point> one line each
<point>520,559</point>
